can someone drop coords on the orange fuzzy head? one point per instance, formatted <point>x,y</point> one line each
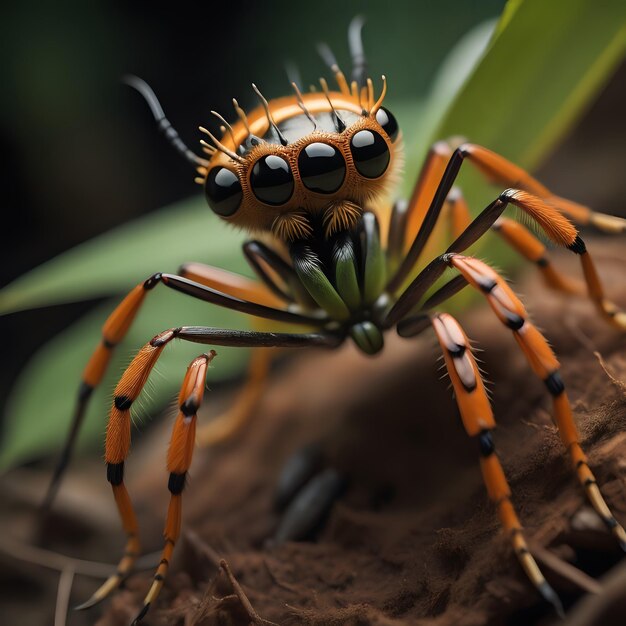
<point>316,157</point>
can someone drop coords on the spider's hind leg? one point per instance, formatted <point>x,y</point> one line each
<point>478,421</point>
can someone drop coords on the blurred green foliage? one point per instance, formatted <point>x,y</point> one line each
<point>517,92</point>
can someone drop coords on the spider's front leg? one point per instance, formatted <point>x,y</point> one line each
<point>183,436</point>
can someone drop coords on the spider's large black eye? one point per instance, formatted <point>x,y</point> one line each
<point>370,153</point>
<point>322,167</point>
<point>272,180</point>
<point>223,191</point>
<point>388,123</point>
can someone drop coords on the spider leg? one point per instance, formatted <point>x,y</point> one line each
<point>118,429</point>
<point>435,182</point>
<point>228,424</point>
<point>239,293</point>
<point>533,250</point>
<point>557,227</point>
<point>478,420</point>
<point>528,245</point>
<point>511,312</point>
<point>178,461</point>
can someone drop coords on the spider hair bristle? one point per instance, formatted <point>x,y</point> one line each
<point>220,146</point>
<point>355,91</point>
<point>242,115</point>
<point>370,94</point>
<point>303,106</point>
<point>268,114</point>
<point>339,123</point>
<point>225,126</point>
<point>381,98</point>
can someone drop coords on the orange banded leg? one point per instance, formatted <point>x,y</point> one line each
<point>557,227</point>
<point>178,461</point>
<point>526,244</point>
<point>511,312</point>
<point>478,422</point>
<point>179,457</point>
<point>608,309</point>
<point>227,425</point>
<point>500,171</point>
<point>207,285</point>
<point>532,249</point>
<point>435,176</point>
<point>116,451</point>
<point>113,331</point>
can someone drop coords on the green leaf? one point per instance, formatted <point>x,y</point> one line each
<point>545,64</point>
<point>114,262</point>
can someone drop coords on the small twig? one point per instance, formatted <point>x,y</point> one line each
<point>203,548</point>
<point>618,383</point>
<point>277,581</point>
<point>60,562</point>
<point>576,331</point>
<point>565,569</point>
<point>255,618</point>
<point>64,591</point>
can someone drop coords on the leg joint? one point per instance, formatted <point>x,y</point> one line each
<point>115,473</point>
<point>152,282</point>
<point>485,443</point>
<point>514,321</point>
<point>578,246</point>
<point>123,403</point>
<point>176,483</point>
<point>189,407</point>
<point>555,384</point>
<point>164,337</point>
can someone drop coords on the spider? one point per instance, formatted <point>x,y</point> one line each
<point>309,177</point>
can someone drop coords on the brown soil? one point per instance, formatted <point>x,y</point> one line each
<point>414,540</point>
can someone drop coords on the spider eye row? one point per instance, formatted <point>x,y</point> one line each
<point>321,167</point>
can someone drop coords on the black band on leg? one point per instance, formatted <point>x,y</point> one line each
<point>115,473</point>
<point>555,384</point>
<point>123,403</point>
<point>485,443</point>
<point>176,483</point>
<point>578,246</point>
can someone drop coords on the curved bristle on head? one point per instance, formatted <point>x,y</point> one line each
<point>268,115</point>
<point>225,127</point>
<point>219,146</point>
<point>303,106</point>
<point>381,98</point>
